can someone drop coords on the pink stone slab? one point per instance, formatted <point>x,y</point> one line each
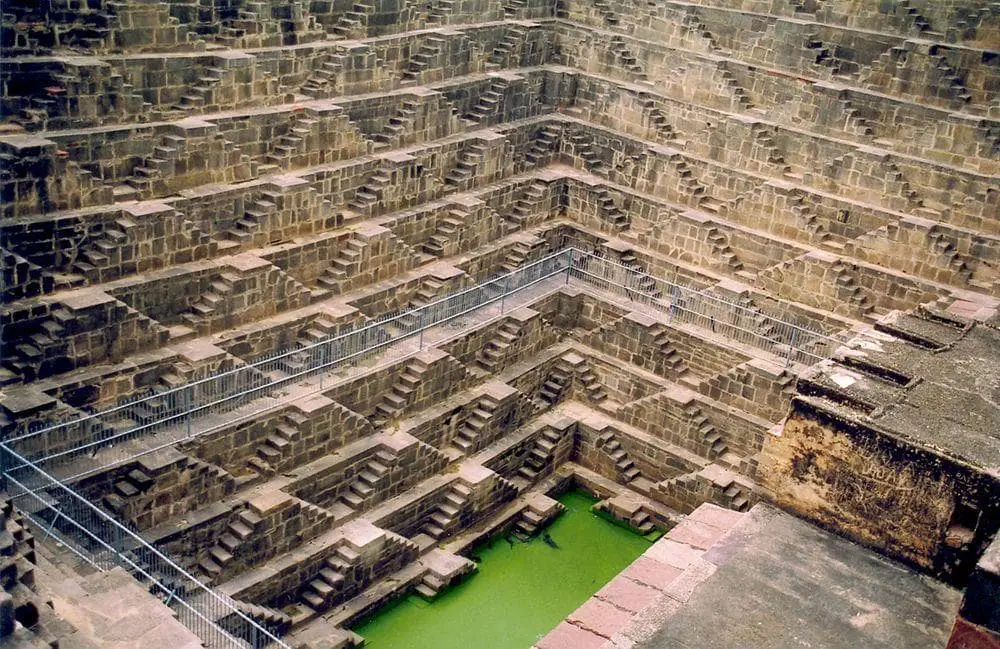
<point>672,553</point>
<point>695,534</point>
<point>627,594</point>
<point>568,636</point>
<point>600,617</point>
<point>652,573</point>
<point>716,516</point>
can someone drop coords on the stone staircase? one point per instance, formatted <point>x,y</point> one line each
<point>900,186</point>
<point>731,85</point>
<point>276,622</point>
<point>628,509</point>
<point>672,360</point>
<point>427,56</point>
<point>237,531</point>
<point>735,497</point>
<point>497,347</point>
<point>443,569</point>
<point>154,407</point>
<point>762,324</point>
<point>92,188</point>
<point>21,278</point>
<point>445,231</point>
<point>354,23</point>
<point>439,10</point>
<point>687,185</point>
<point>854,122</point>
<point>204,308</point>
<point>321,592</point>
<point>345,264</point>
<point>201,96</point>
<point>848,288</point>
<point>321,83</point>
<point>375,470</point>
<point>539,512</point>
<point>811,222</point>
<point>131,485</point>
<point>823,54</point>
<point>658,120</point>
<point>623,57</point>
<point>429,291</point>
<point>490,103</point>
<point>271,453</point>
<point>105,251</point>
<point>365,555</point>
<point>720,249</point>
<point>26,359</point>
<point>259,213</point>
<point>949,79</point>
<point>949,256</point>
<point>444,520</point>
<point>692,25</point>
<point>88,30</point>
<point>503,54</point>
<point>398,398</point>
<point>639,279</point>
<point>517,255</point>
<point>289,149</point>
<point>616,219</point>
<point>467,437</point>
<point>923,75</point>
<point>607,13</point>
<point>318,330</point>
<point>591,384</point>
<point>463,174</point>
<point>368,196</point>
<point>541,455</point>
<point>511,7</point>
<point>559,379</point>
<point>710,436</point>
<point>147,177</point>
<point>525,206</point>
<point>583,146</point>
<point>542,146</point>
<point>763,138</point>
<point>627,471</point>
<point>399,125</point>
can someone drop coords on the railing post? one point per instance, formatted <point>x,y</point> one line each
<point>187,410</point>
<point>503,292</point>
<point>323,357</point>
<point>791,346</point>
<point>420,324</point>
<point>569,265</point>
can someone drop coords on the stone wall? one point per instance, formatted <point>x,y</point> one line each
<point>851,478</point>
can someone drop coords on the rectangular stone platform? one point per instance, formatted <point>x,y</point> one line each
<point>761,580</point>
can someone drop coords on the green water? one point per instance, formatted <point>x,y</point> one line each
<point>520,592</point>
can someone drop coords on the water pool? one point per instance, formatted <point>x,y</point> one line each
<point>522,590</point>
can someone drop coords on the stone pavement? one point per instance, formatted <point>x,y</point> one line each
<point>761,580</point>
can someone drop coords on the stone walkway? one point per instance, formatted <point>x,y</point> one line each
<point>761,580</point>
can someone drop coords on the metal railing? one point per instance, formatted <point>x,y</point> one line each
<point>260,382</point>
<point>743,324</point>
<point>231,390</point>
<point>58,511</point>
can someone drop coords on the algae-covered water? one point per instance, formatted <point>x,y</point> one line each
<point>520,592</point>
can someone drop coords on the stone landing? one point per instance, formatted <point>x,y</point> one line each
<point>94,606</point>
<point>760,580</point>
